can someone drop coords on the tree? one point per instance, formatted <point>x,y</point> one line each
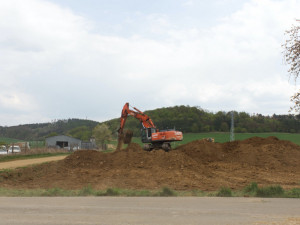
<point>292,57</point>
<point>83,133</point>
<point>101,133</point>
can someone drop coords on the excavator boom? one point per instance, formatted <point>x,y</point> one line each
<point>144,119</point>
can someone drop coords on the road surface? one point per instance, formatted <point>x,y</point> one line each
<point>148,210</point>
<point>27,162</point>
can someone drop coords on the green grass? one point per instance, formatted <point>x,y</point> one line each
<point>225,137</point>
<point>85,191</point>
<point>252,190</point>
<point>32,144</point>
<point>224,192</point>
<point>8,140</point>
<point>271,191</point>
<point>7,158</point>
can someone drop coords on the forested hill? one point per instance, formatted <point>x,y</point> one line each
<point>184,118</point>
<point>74,127</point>
<point>194,120</point>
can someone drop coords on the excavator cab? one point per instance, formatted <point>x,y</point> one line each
<point>147,134</point>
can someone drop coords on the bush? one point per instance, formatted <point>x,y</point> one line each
<point>271,191</point>
<point>251,188</point>
<point>166,192</point>
<point>88,190</point>
<point>224,192</point>
<point>112,192</point>
<point>294,193</point>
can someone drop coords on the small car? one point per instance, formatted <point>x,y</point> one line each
<point>17,149</point>
<point>3,150</point>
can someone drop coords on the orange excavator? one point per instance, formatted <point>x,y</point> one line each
<point>151,136</point>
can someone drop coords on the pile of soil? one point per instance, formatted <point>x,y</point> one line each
<point>197,165</point>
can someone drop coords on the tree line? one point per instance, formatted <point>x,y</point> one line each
<point>195,120</point>
<point>77,128</point>
<point>184,118</point>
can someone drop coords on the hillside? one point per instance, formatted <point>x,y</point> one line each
<point>41,130</point>
<point>184,118</point>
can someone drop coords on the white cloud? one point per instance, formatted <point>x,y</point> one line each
<point>12,99</point>
<point>62,68</point>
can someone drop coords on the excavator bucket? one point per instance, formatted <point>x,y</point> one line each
<point>120,141</point>
<point>124,138</point>
<point>128,136</point>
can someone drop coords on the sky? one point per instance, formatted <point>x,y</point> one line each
<point>63,59</point>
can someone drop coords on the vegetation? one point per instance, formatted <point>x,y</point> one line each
<point>271,191</point>
<point>251,190</point>
<point>5,140</point>
<point>39,131</point>
<point>292,57</point>
<point>184,118</point>
<point>196,120</point>
<point>83,133</point>
<point>222,137</point>
<point>224,192</point>
<point>101,134</point>
<point>166,192</point>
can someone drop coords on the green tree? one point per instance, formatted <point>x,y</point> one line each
<point>102,134</point>
<point>83,133</point>
<point>224,127</point>
<point>292,58</point>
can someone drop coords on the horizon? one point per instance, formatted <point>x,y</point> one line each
<point>199,108</point>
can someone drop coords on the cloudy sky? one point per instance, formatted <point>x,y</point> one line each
<point>63,59</point>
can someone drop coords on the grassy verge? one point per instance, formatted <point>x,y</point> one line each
<point>252,190</point>
<point>7,158</point>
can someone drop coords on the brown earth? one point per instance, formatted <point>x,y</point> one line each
<point>196,165</point>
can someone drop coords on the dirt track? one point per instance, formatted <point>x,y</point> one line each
<point>27,162</point>
<point>197,165</point>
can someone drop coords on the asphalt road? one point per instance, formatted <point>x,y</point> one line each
<point>148,210</point>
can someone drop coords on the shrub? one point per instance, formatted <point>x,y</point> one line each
<point>294,193</point>
<point>251,188</point>
<point>271,191</point>
<point>112,192</point>
<point>224,192</point>
<point>167,192</point>
<point>88,190</point>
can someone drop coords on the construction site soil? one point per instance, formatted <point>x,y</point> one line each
<point>197,165</point>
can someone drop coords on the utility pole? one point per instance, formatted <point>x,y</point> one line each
<point>232,127</point>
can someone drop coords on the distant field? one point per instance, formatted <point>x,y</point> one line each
<point>225,137</point>
<point>188,137</point>
<point>33,144</point>
<point>8,140</point>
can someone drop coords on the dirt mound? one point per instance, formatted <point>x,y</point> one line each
<point>196,165</point>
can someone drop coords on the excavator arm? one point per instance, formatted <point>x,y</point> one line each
<point>144,119</point>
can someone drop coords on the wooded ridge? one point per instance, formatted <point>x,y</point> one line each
<point>184,118</point>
